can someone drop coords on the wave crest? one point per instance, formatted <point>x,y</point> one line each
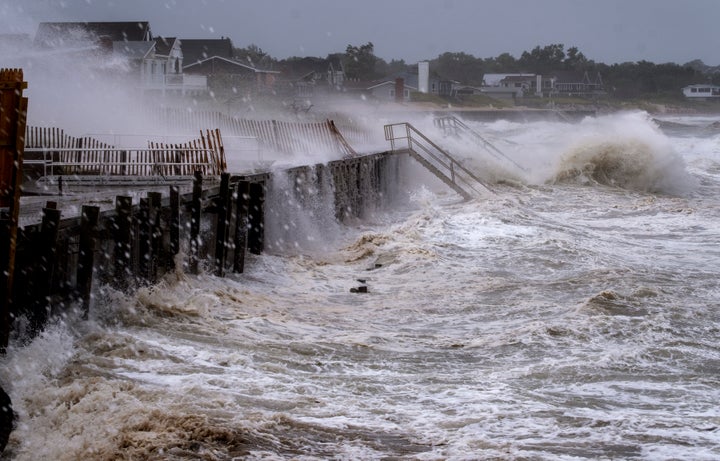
<point>625,152</point>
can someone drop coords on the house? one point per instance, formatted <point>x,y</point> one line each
<point>701,91</point>
<point>151,65</point>
<point>227,75</point>
<point>570,83</point>
<point>196,50</point>
<point>309,76</point>
<point>79,35</point>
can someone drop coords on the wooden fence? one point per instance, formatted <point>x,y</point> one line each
<point>280,136</point>
<point>52,152</point>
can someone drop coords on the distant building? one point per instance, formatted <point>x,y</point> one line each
<point>561,83</point>
<point>197,50</point>
<point>569,83</point>
<point>52,35</point>
<point>701,91</point>
<point>151,65</point>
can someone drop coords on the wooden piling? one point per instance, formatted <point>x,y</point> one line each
<point>156,234</point>
<point>123,240</point>
<point>88,225</point>
<point>241,225</point>
<point>143,239</point>
<point>43,270</point>
<point>221,233</point>
<point>13,112</point>
<point>174,224</point>
<point>195,216</point>
<point>256,218</point>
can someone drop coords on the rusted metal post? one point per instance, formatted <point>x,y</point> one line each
<point>195,212</point>
<point>123,240</point>
<point>13,111</point>
<point>241,225</point>
<point>86,258</point>
<point>221,237</point>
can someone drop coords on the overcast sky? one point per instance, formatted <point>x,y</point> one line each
<point>607,31</point>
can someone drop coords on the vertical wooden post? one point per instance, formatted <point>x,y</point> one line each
<point>195,212</point>
<point>155,199</point>
<point>174,223</point>
<point>144,236</point>
<point>256,218</point>
<point>13,111</point>
<point>86,258</point>
<point>123,240</point>
<point>241,225</point>
<point>42,275</point>
<point>221,237</point>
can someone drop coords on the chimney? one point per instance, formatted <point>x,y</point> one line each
<point>423,76</point>
<point>399,89</point>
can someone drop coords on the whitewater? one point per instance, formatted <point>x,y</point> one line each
<point>572,314</point>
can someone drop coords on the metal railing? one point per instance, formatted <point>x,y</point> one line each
<point>435,159</point>
<point>456,126</point>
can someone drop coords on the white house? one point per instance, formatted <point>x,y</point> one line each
<point>701,91</point>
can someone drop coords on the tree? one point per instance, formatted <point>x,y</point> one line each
<point>575,60</point>
<point>254,56</point>
<point>359,62</point>
<point>461,67</point>
<point>543,60</point>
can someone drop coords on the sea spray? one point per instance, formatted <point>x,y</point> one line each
<point>627,151</point>
<point>300,211</point>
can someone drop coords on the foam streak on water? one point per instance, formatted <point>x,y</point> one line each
<point>570,317</point>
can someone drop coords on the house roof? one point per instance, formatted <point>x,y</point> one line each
<point>495,79</point>
<point>163,45</point>
<point>196,50</point>
<point>702,85</point>
<point>226,61</point>
<point>391,82</point>
<point>133,50</point>
<point>65,34</point>
<point>518,78</point>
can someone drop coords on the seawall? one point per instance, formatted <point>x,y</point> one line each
<point>210,225</point>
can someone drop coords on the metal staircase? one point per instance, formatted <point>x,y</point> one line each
<point>456,127</point>
<point>404,137</point>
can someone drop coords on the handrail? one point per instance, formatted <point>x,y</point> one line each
<point>437,160</point>
<point>489,147</point>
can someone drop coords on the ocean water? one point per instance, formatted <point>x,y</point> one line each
<point>571,315</point>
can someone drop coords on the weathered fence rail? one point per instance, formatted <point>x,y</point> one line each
<point>280,136</point>
<point>51,152</point>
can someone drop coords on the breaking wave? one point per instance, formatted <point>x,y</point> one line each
<point>627,151</point>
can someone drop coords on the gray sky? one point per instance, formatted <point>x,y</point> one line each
<point>607,31</point>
